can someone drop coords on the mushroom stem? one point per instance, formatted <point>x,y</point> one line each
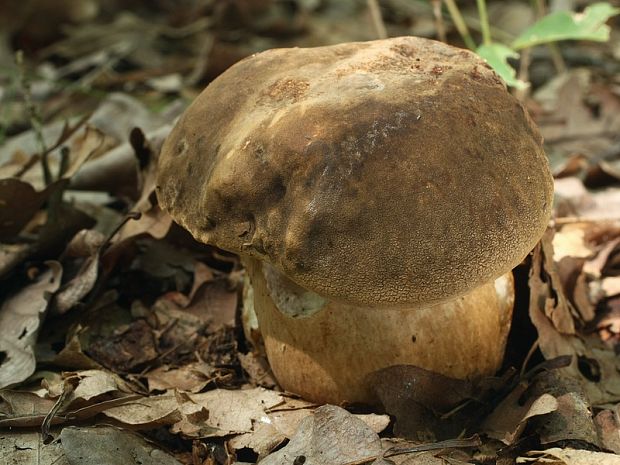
<point>324,350</point>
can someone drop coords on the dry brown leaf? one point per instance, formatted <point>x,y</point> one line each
<point>509,418</point>
<point>93,446</point>
<point>17,404</point>
<point>410,394</point>
<point>88,143</point>
<point>571,420</point>
<point>569,457</point>
<point>570,241</point>
<point>28,448</point>
<point>20,317</point>
<point>608,428</point>
<point>230,412</point>
<point>283,425</point>
<point>593,364</point>
<point>192,377</point>
<point>92,384</point>
<point>72,356</point>
<point>12,255</point>
<point>77,288</point>
<point>147,412</point>
<point>332,436</point>
<point>129,348</point>
<point>19,201</point>
<point>234,412</point>
<point>258,369</point>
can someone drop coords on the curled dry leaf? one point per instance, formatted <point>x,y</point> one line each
<point>20,317</point>
<point>510,417</point>
<point>75,290</point>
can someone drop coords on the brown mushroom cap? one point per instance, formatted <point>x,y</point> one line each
<point>393,172</point>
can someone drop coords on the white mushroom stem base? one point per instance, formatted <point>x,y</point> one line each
<point>324,350</point>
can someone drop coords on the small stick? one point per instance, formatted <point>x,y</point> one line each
<point>439,25</point>
<point>377,19</point>
<point>460,25</point>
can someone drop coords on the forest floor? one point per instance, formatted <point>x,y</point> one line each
<point>120,336</point>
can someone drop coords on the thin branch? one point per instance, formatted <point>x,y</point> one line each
<point>439,25</point>
<point>460,25</point>
<point>377,19</point>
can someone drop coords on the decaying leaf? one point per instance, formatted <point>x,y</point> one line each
<point>509,419</point>
<point>332,436</point>
<point>557,456</point>
<point>230,412</point>
<point>92,446</point>
<point>28,448</point>
<point>552,314</point>
<point>409,394</point>
<point>20,317</point>
<point>192,377</point>
<point>19,201</point>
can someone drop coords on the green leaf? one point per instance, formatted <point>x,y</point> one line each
<point>565,25</point>
<point>496,55</point>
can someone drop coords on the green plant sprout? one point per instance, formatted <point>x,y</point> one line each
<point>554,27</point>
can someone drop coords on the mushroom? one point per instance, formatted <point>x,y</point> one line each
<point>379,194</point>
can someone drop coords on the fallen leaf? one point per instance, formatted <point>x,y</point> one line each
<point>20,317</point>
<point>608,428</point>
<point>510,417</point>
<point>28,448</point>
<point>130,348</point>
<point>332,436</point>
<point>192,377</point>
<point>19,201</point>
<point>410,394</point>
<point>71,293</point>
<point>593,364</point>
<point>93,446</point>
<point>570,457</point>
<point>571,420</point>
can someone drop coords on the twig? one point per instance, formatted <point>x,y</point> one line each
<point>460,25</point>
<point>524,73</point>
<point>439,25</point>
<point>528,357</point>
<point>554,50</point>
<point>473,441</point>
<point>34,116</point>
<point>377,19</point>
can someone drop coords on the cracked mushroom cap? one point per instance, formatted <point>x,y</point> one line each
<point>386,173</point>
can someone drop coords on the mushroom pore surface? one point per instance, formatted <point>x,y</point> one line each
<point>385,173</point>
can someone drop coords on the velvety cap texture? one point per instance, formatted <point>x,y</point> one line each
<point>393,172</point>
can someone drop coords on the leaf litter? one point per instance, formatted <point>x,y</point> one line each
<point>119,330</point>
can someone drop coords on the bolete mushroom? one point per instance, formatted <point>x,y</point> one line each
<point>379,194</point>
